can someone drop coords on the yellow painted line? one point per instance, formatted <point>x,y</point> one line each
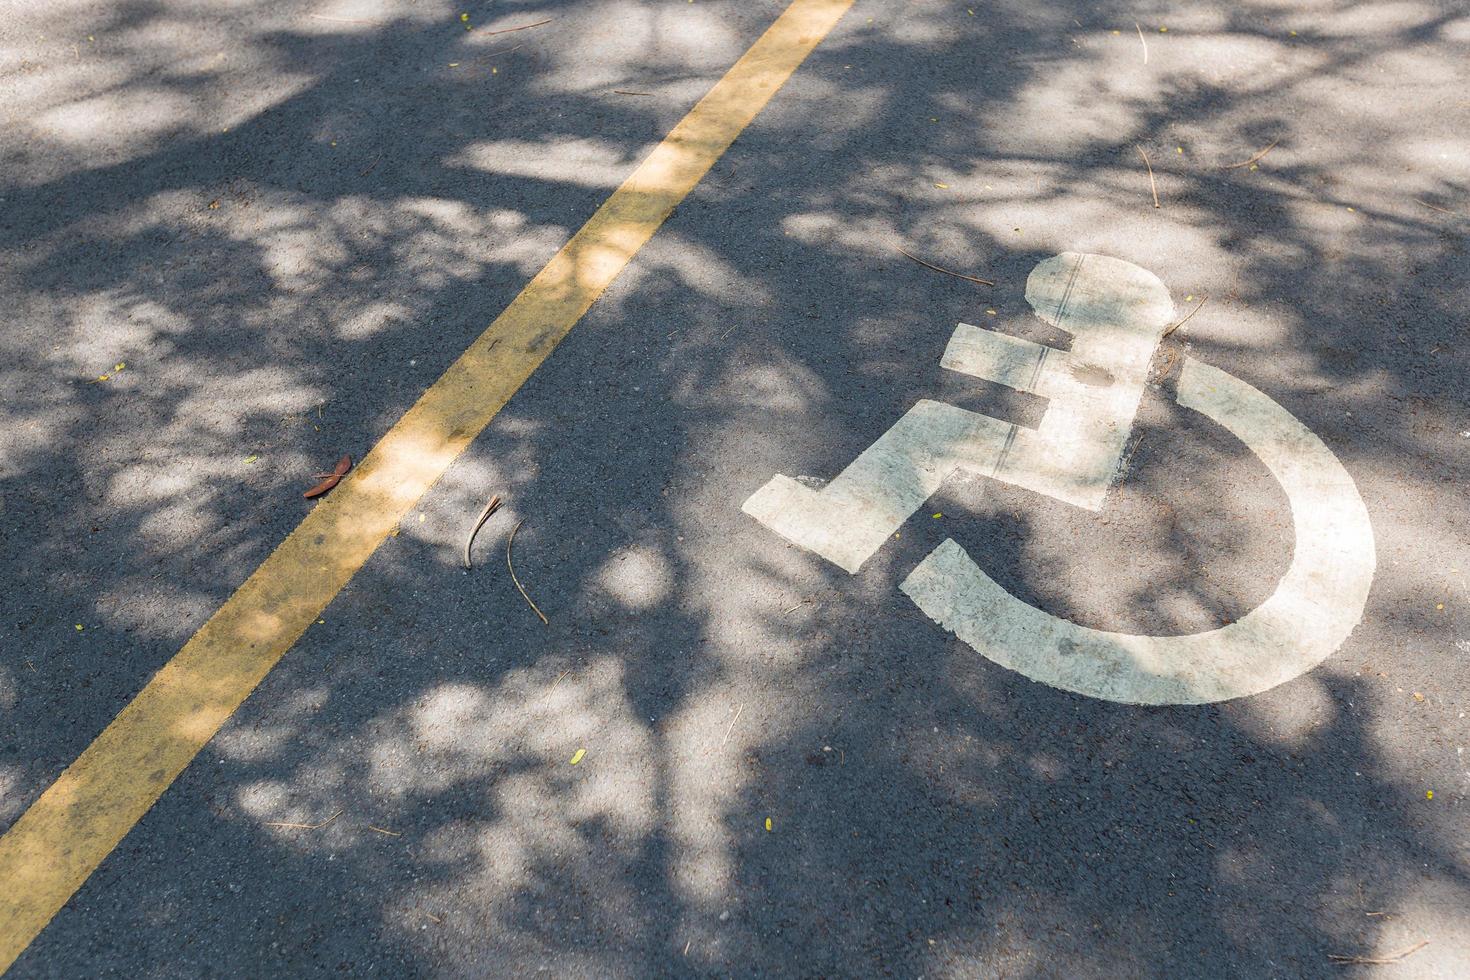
<point>57,843</point>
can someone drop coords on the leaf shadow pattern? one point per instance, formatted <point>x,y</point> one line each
<point>931,814</point>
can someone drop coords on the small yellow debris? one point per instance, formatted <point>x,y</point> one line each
<point>421,518</point>
<point>103,377</point>
<point>990,313</point>
<point>768,825</point>
<point>1117,32</point>
<point>1429,794</point>
<point>334,142</point>
<point>321,621</point>
<point>1439,605</point>
<point>119,366</point>
<point>1418,696</point>
<point>937,516</point>
<point>942,186</point>
<point>454,64</point>
<point>495,71</point>
<point>1293,33</point>
<point>578,755</point>
<point>1179,149</point>
<point>464,16</point>
<point>1163,30</point>
<point>80,627</point>
<point>1351,209</point>
<point>970,11</point>
<point>214,205</point>
<point>251,459</point>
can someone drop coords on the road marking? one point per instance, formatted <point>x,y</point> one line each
<point>1116,313</point>
<point>1314,608</point>
<point>848,520</point>
<point>57,843</point>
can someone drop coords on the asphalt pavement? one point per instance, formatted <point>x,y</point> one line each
<point>238,240</point>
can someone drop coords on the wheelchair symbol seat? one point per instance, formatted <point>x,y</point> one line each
<point>1116,313</point>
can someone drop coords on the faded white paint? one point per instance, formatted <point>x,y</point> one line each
<point>1116,313</point>
<point>850,518</point>
<point>1312,611</point>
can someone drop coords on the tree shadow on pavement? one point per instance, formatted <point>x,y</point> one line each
<point>282,291</point>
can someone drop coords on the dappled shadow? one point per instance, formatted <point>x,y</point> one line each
<point>285,223</point>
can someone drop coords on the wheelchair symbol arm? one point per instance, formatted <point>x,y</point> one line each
<point>1115,312</point>
<point>1314,608</point>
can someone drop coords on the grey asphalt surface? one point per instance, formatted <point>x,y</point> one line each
<point>286,219</point>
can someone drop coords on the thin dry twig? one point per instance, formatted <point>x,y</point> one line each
<point>388,833</point>
<point>1377,960</point>
<point>732,726</point>
<point>287,825</point>
<point>623,91</point>
<point>1151,184</point>
<point>983,282</point>
<point>1166,364</point>
<point>1186,318</point>
<point>1141,41</point>
<point>1247,163</point>
<point>1129,458</point>
<point>1435,207</point>
<point>490,508</point>
<point>523,27</point>
<point>342,20</point>
<point>519,587</point>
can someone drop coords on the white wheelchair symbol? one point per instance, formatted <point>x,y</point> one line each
<point>1116,313</point>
